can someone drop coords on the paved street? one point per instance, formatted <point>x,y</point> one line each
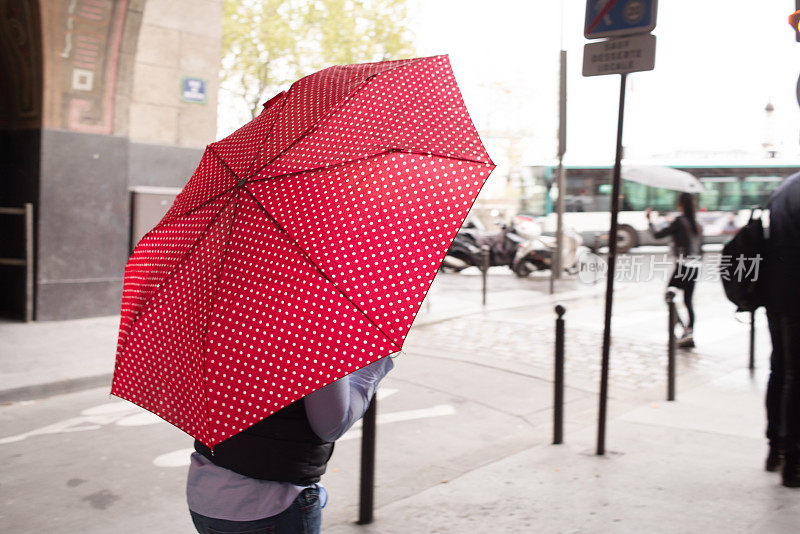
<point>468,397</point>
<point>211,207</point>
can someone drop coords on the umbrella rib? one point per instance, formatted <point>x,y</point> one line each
<point>327,114</point>
<point>319,269</point>
<point>163,224</point>
<point>453,238</point>
<point>206,202</point>
<point>371,156</point>
<point>174,269</point>
<point>444,156</point>
<point>319,123</point>
<point>303,135</point>
<point>224,163</point>
<point>333,166</point>
<point>271,127</point>
<point>215,298</point>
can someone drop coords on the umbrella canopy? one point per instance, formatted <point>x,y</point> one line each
<point>301,248</point>
<point>663,177</point>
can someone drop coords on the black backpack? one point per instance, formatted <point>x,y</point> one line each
<point>741,266</point>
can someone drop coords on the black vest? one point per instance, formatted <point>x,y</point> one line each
<point>282,447</point>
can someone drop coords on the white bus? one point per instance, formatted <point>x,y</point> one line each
<point>730,193</point>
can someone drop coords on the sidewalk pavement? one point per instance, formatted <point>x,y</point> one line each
<point>45,358</point>
<point>694,465</point>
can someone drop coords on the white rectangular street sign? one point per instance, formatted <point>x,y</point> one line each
<point>621,55</point>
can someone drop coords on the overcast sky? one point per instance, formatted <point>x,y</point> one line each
<point>718,63</point>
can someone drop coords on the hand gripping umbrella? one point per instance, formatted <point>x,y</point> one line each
<point>301,248</point>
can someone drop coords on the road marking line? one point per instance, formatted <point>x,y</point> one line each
<point>74,424</point>
<point>181,457</point>
<point>385,392</point>
<point>140,419</point>
<point>396,417</point>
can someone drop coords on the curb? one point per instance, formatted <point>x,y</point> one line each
<point>73,385</point>
<point>538,301</point>
<point>50,389</point>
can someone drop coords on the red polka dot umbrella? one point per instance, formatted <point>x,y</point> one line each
<point>301,248</point>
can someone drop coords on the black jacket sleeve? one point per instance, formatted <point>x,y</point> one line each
<point>672,229</point>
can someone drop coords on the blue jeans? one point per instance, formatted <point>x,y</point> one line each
<point>304,516</point>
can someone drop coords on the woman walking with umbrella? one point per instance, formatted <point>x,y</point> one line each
<point>266,478</point>
<point>258,315</point>
<point>687,238</point>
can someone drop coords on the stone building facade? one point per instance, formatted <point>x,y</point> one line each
<point>98,97</point>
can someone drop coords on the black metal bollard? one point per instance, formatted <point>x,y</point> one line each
<point>484,268</point>
<point>752,340</point>
<point>367,490</point>
<point>673,318</point>
<point>558,381</point>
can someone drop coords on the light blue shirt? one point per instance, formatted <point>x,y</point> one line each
<point>217,492</point>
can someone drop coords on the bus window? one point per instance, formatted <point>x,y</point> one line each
<point>533,197</point>
<point>663,199</point>
<point>580,194</point>
<point>757,189</point>
<point>721,194</point>
<point>602,198</point>
<point>634,196</point>
<point>639,197</point>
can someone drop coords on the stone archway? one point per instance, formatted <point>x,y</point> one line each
<point>97,108</point>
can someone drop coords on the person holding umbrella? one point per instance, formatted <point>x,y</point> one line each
<point>265,479</point>
<point>687,238</point>
<point>258,315</point>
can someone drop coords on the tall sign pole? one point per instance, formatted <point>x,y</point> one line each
<point>630,48</point>
<point>612,262</point>
<point>556,267</point>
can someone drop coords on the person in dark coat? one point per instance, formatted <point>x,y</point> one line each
<point>687,239</point>
<point>782,283</point>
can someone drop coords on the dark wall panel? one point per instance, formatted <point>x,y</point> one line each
<point>165,166</point>
<point>64,300</point>
<point>85,216</point>
<point>83,224</point>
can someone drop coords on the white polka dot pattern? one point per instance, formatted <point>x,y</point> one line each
<point>157,255</point>
<point>210,180</point>
<point>280,330</point>
<point>311,98</point>
<point>162,365</point>
<point>392,111</point>
<point>378,228</point>
<point>240,149</point>
<point>301,248</point>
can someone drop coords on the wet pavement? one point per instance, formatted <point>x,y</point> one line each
<point>464,427</point>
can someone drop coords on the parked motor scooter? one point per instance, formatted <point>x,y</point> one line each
<point>466,249</point>
<point>537,254</point>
